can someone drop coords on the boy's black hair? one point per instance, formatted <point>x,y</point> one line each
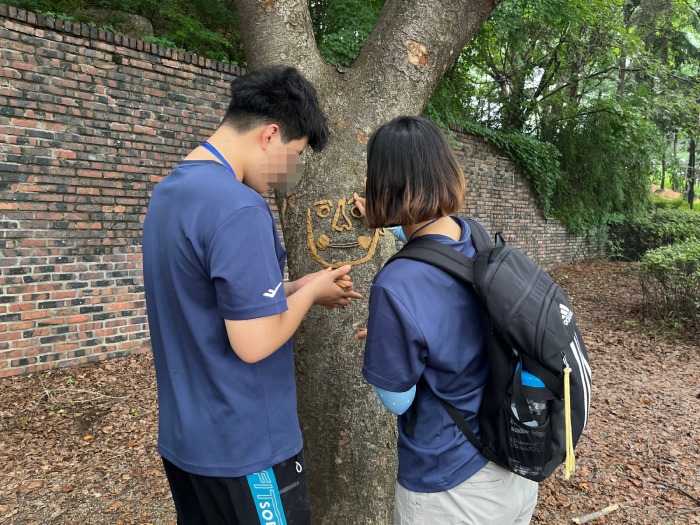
<point>278,95</point>
<point>412,174</point>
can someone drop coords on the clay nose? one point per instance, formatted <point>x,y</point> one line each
<point>341,221</point>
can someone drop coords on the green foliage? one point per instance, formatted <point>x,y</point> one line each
<point>161,41</point>
<point>342,27</point>
<point>607,167</point>
<point>581,185</point>
<point>670,278</point>
<point>681,203</point>
<point>550,69</point>
<point>186,31</point>
<point>447,104</point>
<point>202,27</point>
<point>533,59</point>
<point>659,228</point>
<point>48,6</point>
<point>539,160</point>
<point>608,82</point>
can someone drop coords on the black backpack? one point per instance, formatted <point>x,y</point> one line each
<point>538,392</point>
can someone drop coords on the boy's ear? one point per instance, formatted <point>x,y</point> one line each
<point>268,133</point>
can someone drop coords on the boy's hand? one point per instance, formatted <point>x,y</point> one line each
<point>344,282</point>
<point>302,281</point>
<point>332,288</point>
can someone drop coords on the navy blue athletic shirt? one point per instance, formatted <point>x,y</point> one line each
<point>425,323</point>
<point>211,252</point>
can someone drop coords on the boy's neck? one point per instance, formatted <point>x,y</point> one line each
<point>230,144</point>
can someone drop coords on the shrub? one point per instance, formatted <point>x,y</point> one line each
<point>670,278</point>
<point>662,227</point>
<point>679,203</point>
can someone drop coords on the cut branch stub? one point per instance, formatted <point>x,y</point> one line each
<point>269,5</point>
<point>417,53</point>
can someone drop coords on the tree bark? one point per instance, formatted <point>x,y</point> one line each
<point>350,440</point>
<point>663,171</point>
<point>674,177</point>
<point>691,173</point>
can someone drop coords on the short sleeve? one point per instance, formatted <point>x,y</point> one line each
<point>395,350</point>
<point>244,266</point>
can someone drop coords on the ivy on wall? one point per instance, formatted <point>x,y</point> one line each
<point>538,160</point>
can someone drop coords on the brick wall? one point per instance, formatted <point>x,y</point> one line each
<point>500,197</point>
<point>89,122</point>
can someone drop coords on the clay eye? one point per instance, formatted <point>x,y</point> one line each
<point>323,210</point>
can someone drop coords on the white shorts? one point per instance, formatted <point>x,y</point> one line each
<point>492,496</point>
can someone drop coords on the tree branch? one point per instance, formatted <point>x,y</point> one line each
<point>578,79</point>
<point>697,12</point>
<point>413,44</point>
<point>595,515</point>
<point>279,32</point>
<point>584,114</point>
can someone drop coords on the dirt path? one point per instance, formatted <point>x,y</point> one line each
<point>78,446</point>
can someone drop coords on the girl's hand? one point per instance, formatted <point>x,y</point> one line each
<point>360,203</point>
<point>361,335</point>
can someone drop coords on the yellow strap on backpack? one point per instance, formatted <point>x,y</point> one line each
<point>570,464</point>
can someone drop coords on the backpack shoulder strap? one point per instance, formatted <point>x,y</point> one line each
<point>480,237</point>
<point>437,254</point>
<point>466,429</point>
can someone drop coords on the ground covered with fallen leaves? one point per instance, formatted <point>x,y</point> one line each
<point>78,445</point>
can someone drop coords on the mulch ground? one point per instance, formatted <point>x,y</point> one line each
<point>78,445</point>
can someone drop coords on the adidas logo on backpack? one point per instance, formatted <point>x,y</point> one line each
<point>538,392</point>
<point>566,314</point>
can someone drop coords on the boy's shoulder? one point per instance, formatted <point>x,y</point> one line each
<point>211,181</point>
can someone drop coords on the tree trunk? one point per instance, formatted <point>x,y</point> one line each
<point>674,177</point>
<point>691,173</point>
<point>350,440</point>
<point>663,171</point>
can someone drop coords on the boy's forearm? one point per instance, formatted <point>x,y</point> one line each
<point>256,339</point>
<point>290,287</point>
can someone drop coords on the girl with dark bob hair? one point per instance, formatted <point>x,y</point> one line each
<point>424,328</point>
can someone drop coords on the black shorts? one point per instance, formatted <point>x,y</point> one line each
<point>276,496</point>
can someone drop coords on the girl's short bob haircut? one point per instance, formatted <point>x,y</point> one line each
<point>412,174</point>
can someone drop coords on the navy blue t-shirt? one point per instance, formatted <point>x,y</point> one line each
<point>425,323</point>
<point>211,252</point>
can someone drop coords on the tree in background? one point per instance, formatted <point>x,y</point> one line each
<point>613,84</point>
<point>670,30</point>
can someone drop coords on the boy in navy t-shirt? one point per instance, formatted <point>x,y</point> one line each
<point>221,316</point>
<point>424,326</point>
